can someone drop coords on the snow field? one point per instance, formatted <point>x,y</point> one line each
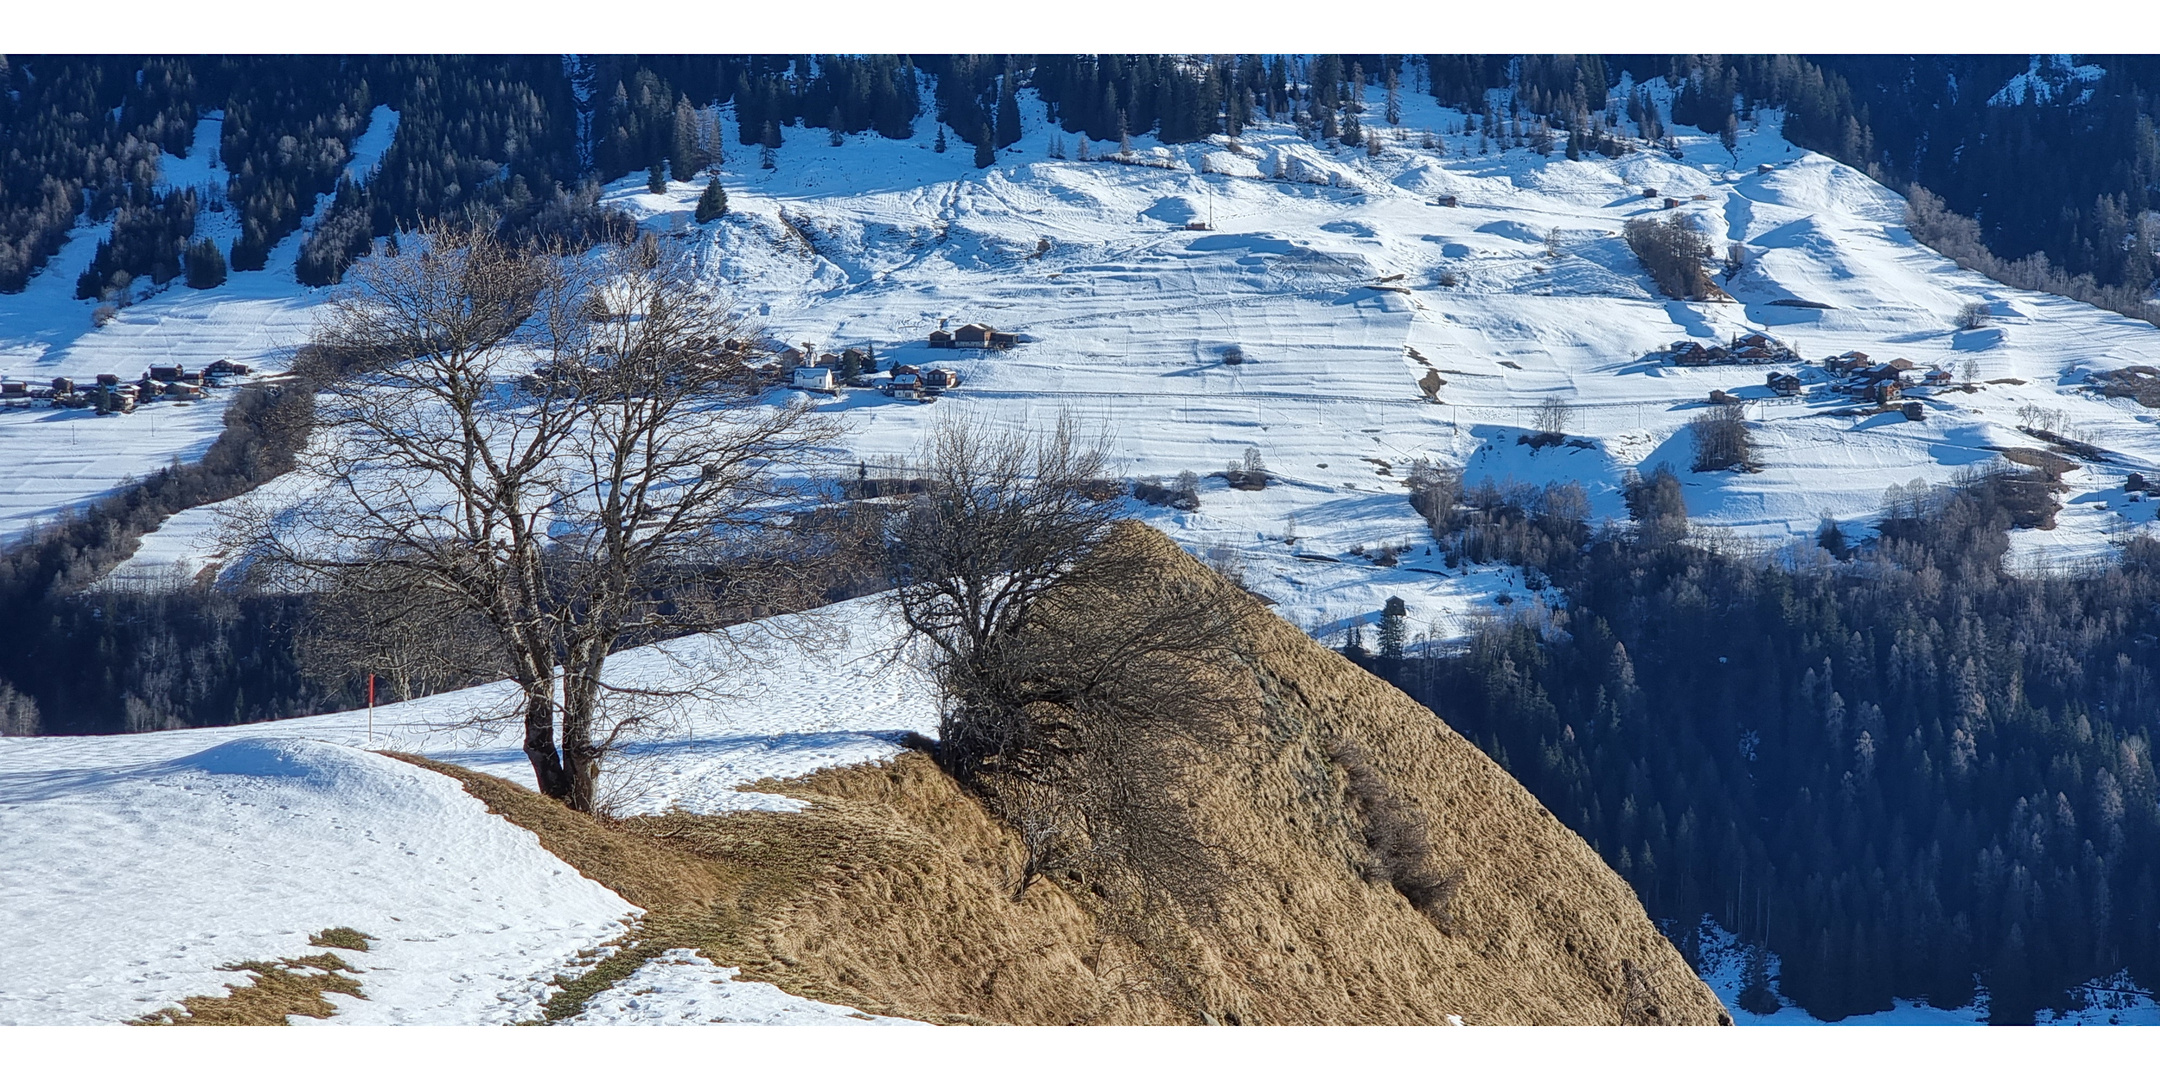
<point>680,987</point>
<point>130,886</point>
<point>159,857</point>
<point>1334,286</point>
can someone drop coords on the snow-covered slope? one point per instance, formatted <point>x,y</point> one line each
<point>1344,284</point>
<point>139,865</point>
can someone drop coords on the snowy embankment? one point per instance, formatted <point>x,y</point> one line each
<point>141,865</point>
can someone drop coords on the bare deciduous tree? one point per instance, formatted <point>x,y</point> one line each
<point>999,522</point>
<point>1673,250</point>
<point>1081,676</point>
<point>1551,418</point>
<point>1722,439</point>
<point>1974,315</point>
<point>557,454</point>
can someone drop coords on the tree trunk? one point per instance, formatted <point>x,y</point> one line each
<point>548,766</point>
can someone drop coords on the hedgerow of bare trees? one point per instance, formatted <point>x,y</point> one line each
<point>1081,678</point>
<point>529,459</point>
<point>1673,252</point>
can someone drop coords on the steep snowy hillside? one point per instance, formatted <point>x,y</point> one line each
<point>142,866</point>
<point>55,458</point>
<point>1343,280</point>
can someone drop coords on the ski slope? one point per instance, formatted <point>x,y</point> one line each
<point>139,866</point>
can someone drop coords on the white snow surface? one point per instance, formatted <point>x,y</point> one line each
<point>137,865</point>
<point>680,987</point>
<point>128,887</point>
<point>1332,285</point>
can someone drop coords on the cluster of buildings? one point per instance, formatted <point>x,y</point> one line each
<point>1855,376</point>
<point>826,373</point>
<point>1743,349</point>
<point>806,368</point>
<point>108,395</point>
<point>972,336</point>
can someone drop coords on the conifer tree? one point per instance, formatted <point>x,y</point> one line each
<point>1008,112</point>
<point>712,205</point>
<point>939,146</point>
<point>1393,616</point>
<point>985,153</point>
<point>688,143</point>
<point>205,265</point>
<point>656,180</point>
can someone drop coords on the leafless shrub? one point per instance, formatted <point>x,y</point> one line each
<point>1397,838</point>
<point>1974,315</point>
<point>1081,678</point>
<point>1722,439</point>
<point>18,711</point>
<point>1248,474</point>
<point>1434,493</point>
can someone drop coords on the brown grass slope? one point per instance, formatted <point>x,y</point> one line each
<point>894,893</point>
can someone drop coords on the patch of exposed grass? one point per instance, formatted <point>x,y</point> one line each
<point>277,991</point>
<point>341,937</point>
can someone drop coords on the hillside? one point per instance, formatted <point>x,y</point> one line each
<point>1348,291</point>
<point>889,891</point>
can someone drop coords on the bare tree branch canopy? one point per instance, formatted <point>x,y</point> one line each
<point>1001,522</point>
<point>1081,679</point>
<point>559,452</point>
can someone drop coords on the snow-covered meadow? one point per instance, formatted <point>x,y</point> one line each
<point>1345,282</point>
<point>159,859</point>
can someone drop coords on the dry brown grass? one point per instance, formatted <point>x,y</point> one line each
<point>277,990</point>
<point>894,892</point>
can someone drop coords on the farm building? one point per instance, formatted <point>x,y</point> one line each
<point>983,336</point>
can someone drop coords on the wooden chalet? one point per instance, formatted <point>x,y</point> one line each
<point>1783,384</point>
